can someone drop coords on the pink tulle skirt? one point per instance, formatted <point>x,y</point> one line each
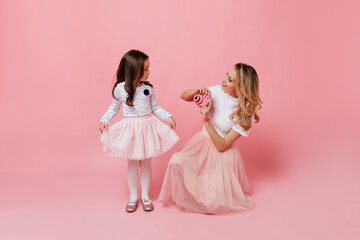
<point>201,179</point>
<point>138,138</point>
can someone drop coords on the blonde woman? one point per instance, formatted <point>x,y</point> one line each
<point>207,175</point>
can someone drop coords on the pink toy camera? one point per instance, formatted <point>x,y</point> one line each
<point>202,99</point>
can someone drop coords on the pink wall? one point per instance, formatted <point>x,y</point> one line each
<point>58,59</point>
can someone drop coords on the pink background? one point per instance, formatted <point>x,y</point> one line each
<point>57,62</point>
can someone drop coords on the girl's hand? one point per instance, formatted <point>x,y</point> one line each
<point>171,123</point>
<point>204,91</point>
<point>205,110</point>
<point>103,126</point>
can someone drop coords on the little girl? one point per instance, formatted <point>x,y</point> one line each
<point>139,136</point>
<point>207,175</point>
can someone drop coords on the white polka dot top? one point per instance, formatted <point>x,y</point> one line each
<point>144,103</point>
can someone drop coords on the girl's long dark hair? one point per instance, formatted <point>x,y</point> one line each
<point>130,71</point>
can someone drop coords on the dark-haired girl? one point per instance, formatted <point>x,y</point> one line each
<point>139,136</point>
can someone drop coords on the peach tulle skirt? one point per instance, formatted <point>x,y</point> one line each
<point>201,179</point>
<point>138,138</point>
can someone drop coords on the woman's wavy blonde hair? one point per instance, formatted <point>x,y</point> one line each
<point>247,91</point>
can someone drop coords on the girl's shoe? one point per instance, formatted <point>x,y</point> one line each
<point>131,206</point>
<point>147,205</point>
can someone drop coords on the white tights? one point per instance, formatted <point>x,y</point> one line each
<point>133,178</point>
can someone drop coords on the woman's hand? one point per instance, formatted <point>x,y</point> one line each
<point>205,110</point>
<point>171,123</point>
<point>188,95</point>
<point>204,91</point>
<point>103,126</point>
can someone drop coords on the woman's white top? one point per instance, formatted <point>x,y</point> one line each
<point>222,106</point>
<point>144,103</point>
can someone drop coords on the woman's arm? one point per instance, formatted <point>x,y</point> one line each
<point>188,95</point>
<point>221,144</point>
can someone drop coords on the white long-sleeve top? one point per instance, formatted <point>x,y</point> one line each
<point>144,103</point>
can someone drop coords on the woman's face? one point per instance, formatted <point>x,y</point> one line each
<point>146,71</point>
<point>229,82</point>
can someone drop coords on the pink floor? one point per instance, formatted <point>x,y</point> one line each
<point>316,201</point>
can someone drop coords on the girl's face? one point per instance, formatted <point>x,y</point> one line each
<point>146,71</point>
<point>229,82</point>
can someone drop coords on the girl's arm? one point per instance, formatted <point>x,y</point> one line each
<point>111,112</point>
<point>221,144</point>
<point>188,95</point>
<point>161,113</point>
